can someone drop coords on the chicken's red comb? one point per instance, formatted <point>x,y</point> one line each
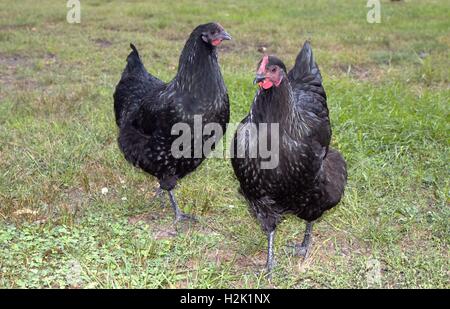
<point>262,67</point>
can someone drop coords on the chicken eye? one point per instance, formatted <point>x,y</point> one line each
<point>273,70</point>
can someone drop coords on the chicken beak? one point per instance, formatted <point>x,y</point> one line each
<point>259,78</point>
<point>224,36</point>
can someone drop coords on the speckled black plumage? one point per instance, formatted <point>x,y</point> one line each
<point>146,108</point>
<point>310,177</point>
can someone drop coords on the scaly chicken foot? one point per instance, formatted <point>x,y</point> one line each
<point>179,215</point>
<point>303,248</point>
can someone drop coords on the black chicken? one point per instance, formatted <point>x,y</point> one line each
<point>309,177</point>
<point>147,108</point>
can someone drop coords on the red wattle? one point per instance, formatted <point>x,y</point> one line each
<point>266,84</point>
<point>216,42</point>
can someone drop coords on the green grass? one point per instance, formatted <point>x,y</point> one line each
<point>388,89</point>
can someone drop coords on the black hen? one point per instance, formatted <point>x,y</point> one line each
<point>309,177</point>
<point>146,109</point>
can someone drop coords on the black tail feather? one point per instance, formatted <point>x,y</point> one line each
<point>134,83</point>
<point>133,59</point>
<point>305,65</point>
<point>134,48</point>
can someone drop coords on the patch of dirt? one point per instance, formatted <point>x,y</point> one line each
<point>164,233</point>
<point>146,218</point>
<point>329,243</point>
<point>103,43</point>
<point>50,58</point>
<point>75,195</point>
<point>160,230</point>
<point>256,261</point>
<point>12,61</point>
<point>10,64</point>
<point>74,201</point>
<point>219,256</point>
<point>216,255</point>
<point>9,79</point>
<point>415,241</point>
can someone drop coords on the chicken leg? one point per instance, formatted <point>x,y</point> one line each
<point>270,254</point>
<point>303,248</point>
<point>179,215</point>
